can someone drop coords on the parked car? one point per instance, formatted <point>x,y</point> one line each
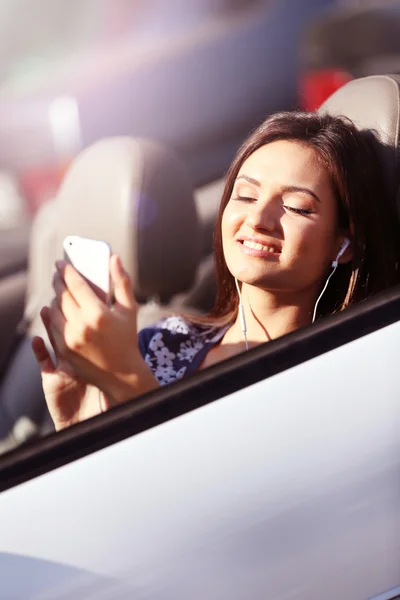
<point>347,41</point>
<point>272,475</point>
<point>194,75</point>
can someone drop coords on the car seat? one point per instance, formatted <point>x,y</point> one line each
<point>372,103</point>
<point>133,193</point>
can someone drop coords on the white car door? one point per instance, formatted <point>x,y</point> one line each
<point>274,475</point>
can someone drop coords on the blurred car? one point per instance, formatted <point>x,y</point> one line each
<point>195,75</point>
<point>349,40</point>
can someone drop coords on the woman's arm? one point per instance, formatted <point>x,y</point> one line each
<point>98,342</point>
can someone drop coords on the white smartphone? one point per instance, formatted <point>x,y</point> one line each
<point>92,259</point>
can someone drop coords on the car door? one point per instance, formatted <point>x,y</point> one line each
<point>272,475</point>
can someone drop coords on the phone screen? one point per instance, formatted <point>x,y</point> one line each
<point>92,259</point>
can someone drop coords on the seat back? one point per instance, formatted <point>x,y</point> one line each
<point>136,195</point>
<point>373,104</point>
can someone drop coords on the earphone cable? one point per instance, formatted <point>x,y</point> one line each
<point>323,291</point>
<point>242,315</point>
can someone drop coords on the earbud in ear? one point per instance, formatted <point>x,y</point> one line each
<point>343,248</point>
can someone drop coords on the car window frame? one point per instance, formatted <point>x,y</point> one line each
<point>209,385</point>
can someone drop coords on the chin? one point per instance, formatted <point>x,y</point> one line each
<point>254,280</point>
<point>253,276</point>
<point>268,282</point>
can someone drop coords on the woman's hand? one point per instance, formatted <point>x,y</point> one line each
<point>69,399</point>
<point>99,343</point>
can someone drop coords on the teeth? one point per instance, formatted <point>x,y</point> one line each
<point>256,246</point>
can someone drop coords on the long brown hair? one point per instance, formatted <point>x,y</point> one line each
<point>363,207</point>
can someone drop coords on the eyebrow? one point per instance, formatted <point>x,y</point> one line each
<point>295,188</point>
<point>286,188</point>
<point>249,179</point>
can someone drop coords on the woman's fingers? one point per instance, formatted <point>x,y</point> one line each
<point>55,325</point>
<point>45,316</point>
<point>65,300</point>
<point>42,355</point>
<point>78,287</point>
<point>57,320</point>
<point>122,284</point>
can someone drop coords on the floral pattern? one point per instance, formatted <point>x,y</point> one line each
<point>189,349</point>
<point>176,347</point>
<point>176,325</point>
<point>156,342</point>
<point>164,357</point>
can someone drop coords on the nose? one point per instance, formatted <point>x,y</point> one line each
<point>264,215</point>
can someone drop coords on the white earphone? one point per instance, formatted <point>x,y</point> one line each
<point>343,248</point>
<point>335,263</point>
<point>242,315</point>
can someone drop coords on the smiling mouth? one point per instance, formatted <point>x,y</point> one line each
<point>257,246</point>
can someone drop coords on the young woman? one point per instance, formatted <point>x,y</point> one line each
<point>303,196</point>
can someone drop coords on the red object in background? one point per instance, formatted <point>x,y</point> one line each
<point>40,184</point>
<point>317,86</point>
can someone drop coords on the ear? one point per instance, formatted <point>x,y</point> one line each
<point>344,252</point>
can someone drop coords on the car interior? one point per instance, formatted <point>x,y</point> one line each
<point>157,223</point>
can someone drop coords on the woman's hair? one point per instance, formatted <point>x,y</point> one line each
<point>363,204</point>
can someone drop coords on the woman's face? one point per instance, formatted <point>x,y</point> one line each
<point>280,228</point>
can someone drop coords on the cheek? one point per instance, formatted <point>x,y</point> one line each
<point>231,221</point>
<point>299,235</point>
<point>310,240</point>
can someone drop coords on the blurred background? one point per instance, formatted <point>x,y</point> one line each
<point>195,75</point>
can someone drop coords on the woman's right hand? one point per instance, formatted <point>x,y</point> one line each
<point>69,399</point>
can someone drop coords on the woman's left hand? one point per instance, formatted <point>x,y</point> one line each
<point>99,342</point>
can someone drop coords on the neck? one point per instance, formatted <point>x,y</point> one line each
<point>271,315</point>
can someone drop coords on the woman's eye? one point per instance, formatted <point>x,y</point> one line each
<point>244,199</point>
<point>299,211</point>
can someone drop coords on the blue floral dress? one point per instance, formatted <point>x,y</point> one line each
<point>175,347</point>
